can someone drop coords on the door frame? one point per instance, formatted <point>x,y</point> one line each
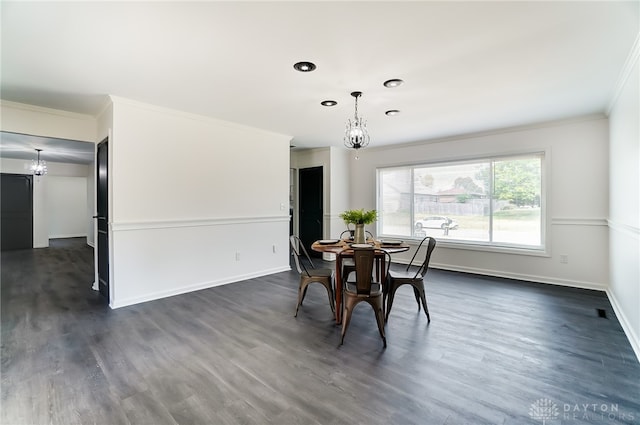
<point>293,199</point>
<point>299,172</point>
<point>96,285</point>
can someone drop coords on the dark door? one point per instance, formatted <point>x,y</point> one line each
<point>102,208</point>
<point>310,215</point>
<point>16,216</point>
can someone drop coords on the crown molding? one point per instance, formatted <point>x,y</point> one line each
<point>108,103</point>
<point>497,131</point>
<point>625,73</point>
<point>43,110</point>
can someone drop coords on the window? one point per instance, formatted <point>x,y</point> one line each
<point>489,201</point>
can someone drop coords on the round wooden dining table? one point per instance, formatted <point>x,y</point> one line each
<point>342,249</point>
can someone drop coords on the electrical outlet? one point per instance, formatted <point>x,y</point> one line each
<point>564,258</point>
<point>237,256</point>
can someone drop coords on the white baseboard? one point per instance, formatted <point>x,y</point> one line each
<point>65,236</point>
<point>624,322</point>
<point>196,287</point>
<point>519,276</point>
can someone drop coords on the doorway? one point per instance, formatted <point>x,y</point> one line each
<point>310,212</point>
<point>16,216</point>
<point>102,216</point>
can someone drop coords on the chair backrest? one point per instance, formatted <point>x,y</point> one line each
<point>348,233</point>
<point>364,259</point>
<point>424,267</point>
<point>298,249</point>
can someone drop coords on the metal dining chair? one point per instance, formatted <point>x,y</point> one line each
<point>310,274</point>
<point>348,265</point>
<point>360,286</point>
<point>416,280</point>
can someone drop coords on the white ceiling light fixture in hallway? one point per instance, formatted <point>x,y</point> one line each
<point>38,166</point>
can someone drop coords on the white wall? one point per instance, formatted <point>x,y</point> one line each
<point>66,199</point>
<point>38,121</point>
<point>340,159</point>
<point>624,198</point>
<point>188,193</point>
<point>41,210</point>
<point>577,185</point>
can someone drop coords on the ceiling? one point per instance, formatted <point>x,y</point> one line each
<point>467,66</point>
<point>23,146</point>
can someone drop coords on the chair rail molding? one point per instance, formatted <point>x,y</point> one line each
<point>624,228</point>
<point>171,224</point>
<point>579,221</point>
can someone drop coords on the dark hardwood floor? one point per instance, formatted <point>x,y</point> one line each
<point>496,352</point>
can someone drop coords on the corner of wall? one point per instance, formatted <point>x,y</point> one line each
<point>634,340</point>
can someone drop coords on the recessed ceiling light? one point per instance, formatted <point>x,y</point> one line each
<point>328,103</point>
<point>393,83</point>
<point>304,66</point>
<point>392,112</point>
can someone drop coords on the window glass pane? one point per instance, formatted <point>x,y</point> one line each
<point>490,201</point>
<point>516,192</point>
<point>395,202</point>
<point>451,202</point>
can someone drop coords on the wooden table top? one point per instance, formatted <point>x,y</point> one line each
<point>343,245</point>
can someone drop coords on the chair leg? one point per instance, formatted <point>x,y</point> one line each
<point>390,295</point>
<point>424,304</point>
<point>377,309</point>
<point>416,293</point>
<point>385,299</point>
<point>302,291</point>
<point>332,299</point>
<point>346,317</point>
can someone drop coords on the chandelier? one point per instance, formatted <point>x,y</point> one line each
<point>38,166</point>
<point>356,135</point>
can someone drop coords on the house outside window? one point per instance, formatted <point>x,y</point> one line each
<point>493,202</point>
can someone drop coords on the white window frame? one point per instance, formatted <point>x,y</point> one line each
<point>541,251</point>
